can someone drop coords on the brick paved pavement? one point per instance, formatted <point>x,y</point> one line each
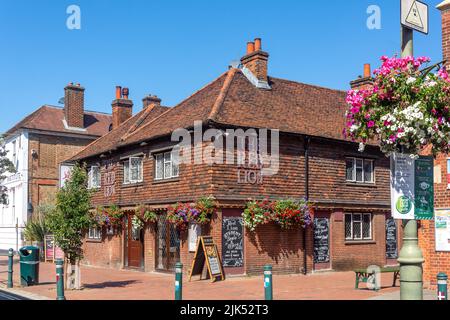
<point>107,284</point>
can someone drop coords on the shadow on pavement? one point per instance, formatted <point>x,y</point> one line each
<point>109,284</point>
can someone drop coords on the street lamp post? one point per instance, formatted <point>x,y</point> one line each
<point>411,257</point>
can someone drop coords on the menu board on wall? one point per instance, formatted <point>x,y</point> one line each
<point>442,229</point>
<point>391,239</point>
<point>233,242</point>
<point>321,240</point>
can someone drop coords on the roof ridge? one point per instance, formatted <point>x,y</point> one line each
<point>138,122</point>
<point>26,119</point>
<point>179,104</point>
<point>222,94</point>
<point>103,137</point>
<point>309,85</point>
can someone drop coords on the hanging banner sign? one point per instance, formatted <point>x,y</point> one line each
<point>412,187</point>
<point>442,229</point>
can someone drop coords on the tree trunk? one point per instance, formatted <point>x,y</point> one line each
<point>73,276</point>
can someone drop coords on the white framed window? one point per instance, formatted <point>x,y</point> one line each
<point>132,170</point>
<point>165,166</point>
<point>94,180</point>
<point>358,226</point>
<point>95,233</point>
<point>359,170</point>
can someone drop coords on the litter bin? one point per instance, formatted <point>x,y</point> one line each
<point>29,266</point>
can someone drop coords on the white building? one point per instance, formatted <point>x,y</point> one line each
<point>15,212</point>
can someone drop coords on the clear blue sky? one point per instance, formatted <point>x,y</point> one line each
<point>172,48</point>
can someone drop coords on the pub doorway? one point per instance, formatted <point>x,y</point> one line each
<point>167,245</point>
<point>134,244</point>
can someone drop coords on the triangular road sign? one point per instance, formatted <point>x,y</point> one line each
<point>414,16</point>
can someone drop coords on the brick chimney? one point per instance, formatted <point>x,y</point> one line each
<point>363,82</point>
<point>152,101</point>
<point>74,105</point>
<point>444,7</point>
<point>254,64</point>
<point>122,107</point>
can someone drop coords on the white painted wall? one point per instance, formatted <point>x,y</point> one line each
<point>16,211</point>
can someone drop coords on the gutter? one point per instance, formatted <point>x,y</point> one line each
<point>307,142</point>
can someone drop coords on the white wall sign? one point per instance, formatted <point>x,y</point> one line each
<point>65,171</point>
<point>195,231</point>
<point>442,229</point>
<point>414,15</point>
<point>402,187</point>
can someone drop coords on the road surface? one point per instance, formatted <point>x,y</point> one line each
<point>9,296</point>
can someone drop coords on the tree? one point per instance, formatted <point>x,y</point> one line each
<point>70,220</point>
<point>5,166</point>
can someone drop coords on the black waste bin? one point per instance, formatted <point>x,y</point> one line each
<point>29,266</point>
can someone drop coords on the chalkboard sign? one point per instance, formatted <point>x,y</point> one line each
<point>232,242</point>
<point>321,240</point>
<point>391,239</point>
<point>207,252</point>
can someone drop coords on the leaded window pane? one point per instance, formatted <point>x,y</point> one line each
<point>367,226</point>
<point>348,226</point>
<point>359,170</point>
<point>368,170</point>
<point>357,230</point>
<point>159,169</point>
<point>350,169</point>
<point>126,172</point>
<point>167,165</point>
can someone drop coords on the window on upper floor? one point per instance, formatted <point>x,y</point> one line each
<point>14,153</point>
<point>133,170</point>
<point>360,170</point>
<point>95,233</point>
<point>165,166</point>
<point>94,180</point>
<point>358,226</point>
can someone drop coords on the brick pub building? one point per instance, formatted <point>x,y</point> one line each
<point>349,189</point>
<point>438,261</point>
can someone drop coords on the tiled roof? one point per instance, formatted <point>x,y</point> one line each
<point>232,100</point>
<point>114,138</point>
<point>50,118</point>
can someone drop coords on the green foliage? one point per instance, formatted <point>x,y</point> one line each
<point>37,227</point>
<point>5,166</point>
<point>71,219</point>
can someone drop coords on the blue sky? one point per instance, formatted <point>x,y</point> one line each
<point>173,48</point>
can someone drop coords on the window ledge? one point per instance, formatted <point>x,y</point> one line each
<point>166,181</point>
<point>131,185</point>
<point>361,184</point>
<point>359,242</point>
<point>95,189</point>
<point>94,240</point>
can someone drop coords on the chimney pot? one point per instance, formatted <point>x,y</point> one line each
<point>250,47</point>
<point>125,93</point>
<point>367,71</point>
<point>118,92</point>
<point>258,44</point>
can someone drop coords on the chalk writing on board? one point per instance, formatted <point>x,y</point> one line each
<point>391,239</point>
<point>321,240</point>
<point>232,242</point>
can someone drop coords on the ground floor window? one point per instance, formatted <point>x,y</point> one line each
<point>358,226</point>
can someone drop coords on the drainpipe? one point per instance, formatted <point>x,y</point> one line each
<point>307,143</point>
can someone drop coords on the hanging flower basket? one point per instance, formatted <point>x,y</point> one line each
<point>200,212</point>
<point>288,214</point>
<point>146,214</point>
<point>406,110</point>
<point>110,217</point>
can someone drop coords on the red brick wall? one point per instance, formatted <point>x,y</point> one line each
<point>108,253</point>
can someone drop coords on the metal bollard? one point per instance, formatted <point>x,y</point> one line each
<point>60,280</point>
<point>442,286</point>
<point>268,288</point>
<point>10,268</point>
<point>179,281</point>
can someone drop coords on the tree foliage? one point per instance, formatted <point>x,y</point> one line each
<point>70,219</point>
<point>5,166</point>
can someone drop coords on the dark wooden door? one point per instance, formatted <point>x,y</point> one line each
<point>233,233</point>
<point>135,247</point>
